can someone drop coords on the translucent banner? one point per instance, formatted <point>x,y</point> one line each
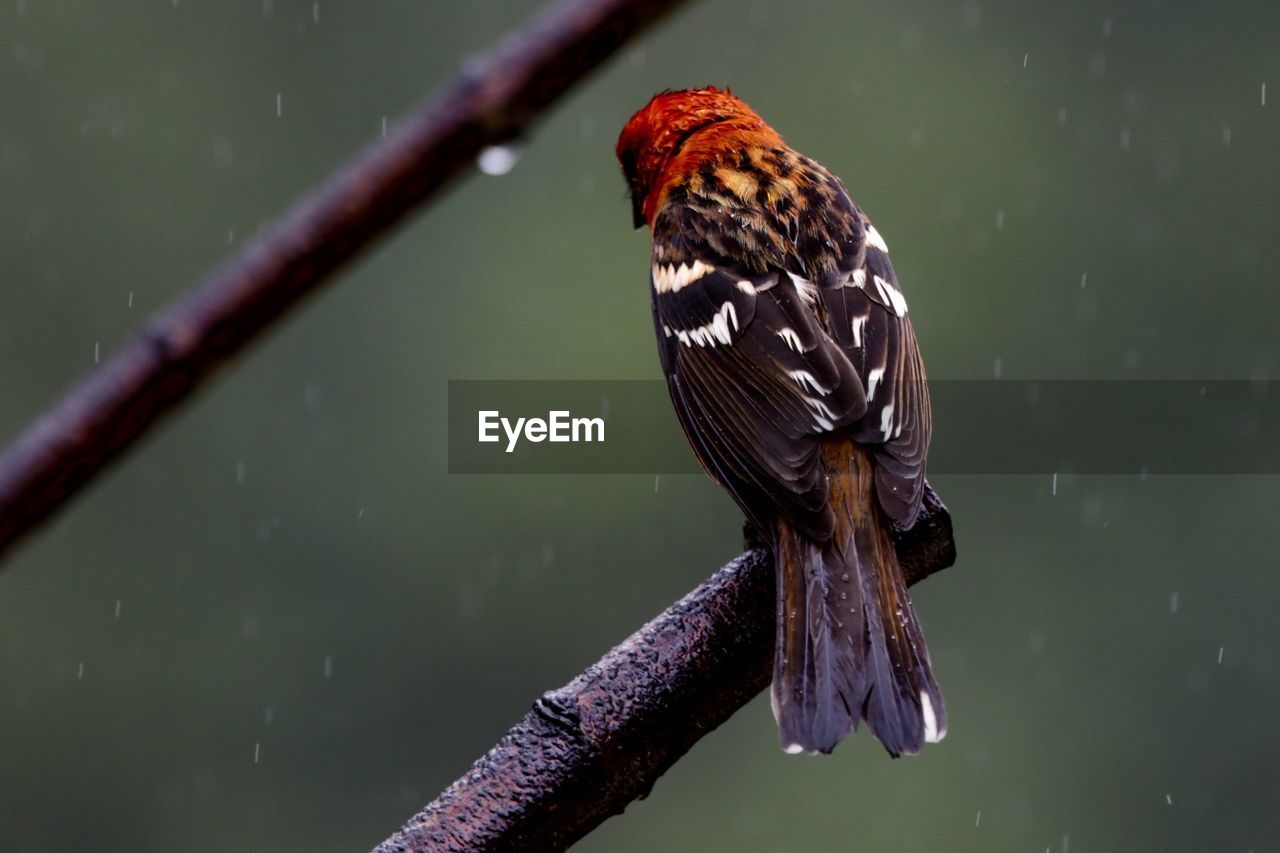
<point>980,427</point>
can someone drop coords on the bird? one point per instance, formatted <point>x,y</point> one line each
<point>795,373</point>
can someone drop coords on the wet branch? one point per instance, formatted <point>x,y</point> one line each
<point>587,750</point>
<point>495,98</point>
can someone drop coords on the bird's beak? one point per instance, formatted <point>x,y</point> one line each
<point>637,212</point>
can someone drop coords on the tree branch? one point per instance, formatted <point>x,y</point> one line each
<point>588,749</point>
<point>584,751</point>
<point>493,100</point>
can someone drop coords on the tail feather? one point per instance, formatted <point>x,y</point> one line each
<point>818,673</point>
<point>904,708</point>
<point>849,645</point>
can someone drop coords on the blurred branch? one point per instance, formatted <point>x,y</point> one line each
<point>494,99</point>
<point>587,750</point>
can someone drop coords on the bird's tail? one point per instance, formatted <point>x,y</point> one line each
<point>849,646</point>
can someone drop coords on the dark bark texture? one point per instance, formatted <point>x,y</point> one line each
<point>585,751</point>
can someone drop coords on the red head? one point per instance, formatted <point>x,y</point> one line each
<point>664,127</point>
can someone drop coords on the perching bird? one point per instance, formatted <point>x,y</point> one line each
<point>796,375</point>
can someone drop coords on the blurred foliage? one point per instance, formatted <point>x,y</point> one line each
<point>281,625</point>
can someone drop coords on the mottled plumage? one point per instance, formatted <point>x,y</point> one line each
<point>796,375</point>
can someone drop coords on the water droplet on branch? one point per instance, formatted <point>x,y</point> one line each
<point>497,159</point>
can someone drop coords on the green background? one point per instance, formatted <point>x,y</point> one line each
<point>286,566</point>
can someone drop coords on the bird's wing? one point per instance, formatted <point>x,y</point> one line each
<point>866,315</point>
<point>819,269</point>
<point>754,377</point>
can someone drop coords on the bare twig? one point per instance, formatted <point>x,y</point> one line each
<point>587,750</point>
<point>495,99</point>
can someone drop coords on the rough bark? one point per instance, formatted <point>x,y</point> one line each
<point>588,749</point>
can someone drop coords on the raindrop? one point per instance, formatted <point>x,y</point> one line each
<point>96,351</point>
<point>384,127</point>
<point>1025,57</point>
<point>998,368</point>
<point>257,749</point>
<point>1124,139</point>
<point>1053,489</point>
<point>279,104</point>
<point>909,39</point>
<point>1167,161</point>
<point>328,666</point>
<point>1091,511</point>
<point>269,715</point>
<point>130,298</point>
<point>497,159</point>
<point>1226,136</point>
<point>1168,798</point>
<point>266,526</point>
<point>1264,94</point>
<point>242,472</point>
<point>1097,65</point>
<point>1084,279</point>
<point>1000,219</point>
<point>311,395</point>
<point>80,672</point>
<point>315,12</point>
<point>655,483</point>
<point>119,601</point>
<point>231,236</point>
<point>1221,649</point>
<point>1062,115</point>
<point>978,819</point>
<point>1173,602</point>
<point>1106,26</point>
